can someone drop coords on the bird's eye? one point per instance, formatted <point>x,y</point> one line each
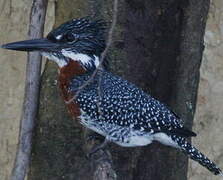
<point>51,38</point>
<point>71,37</point>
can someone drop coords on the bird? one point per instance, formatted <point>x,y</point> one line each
<point>104,102</point>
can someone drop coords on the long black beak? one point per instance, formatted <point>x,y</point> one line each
<point>32,45</point>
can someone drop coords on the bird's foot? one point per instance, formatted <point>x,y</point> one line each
<point>94,136</point>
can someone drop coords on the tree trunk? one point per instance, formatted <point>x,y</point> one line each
<point>158,46</point>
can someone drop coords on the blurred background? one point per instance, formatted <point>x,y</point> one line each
<point>208,122</point>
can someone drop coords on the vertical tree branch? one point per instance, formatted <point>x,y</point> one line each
<point>30,105</point>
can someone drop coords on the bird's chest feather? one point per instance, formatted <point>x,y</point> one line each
<point>66,73</point>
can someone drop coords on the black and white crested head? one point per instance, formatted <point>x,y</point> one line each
<point>80,40</point>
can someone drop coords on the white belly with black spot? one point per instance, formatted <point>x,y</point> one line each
<point>137,141</point>
<point>124,136</point>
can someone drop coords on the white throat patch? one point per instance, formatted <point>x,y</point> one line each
<point>83,58</point>
<point>60,63</point>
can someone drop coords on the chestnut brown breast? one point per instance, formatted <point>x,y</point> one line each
<point>66,73</point>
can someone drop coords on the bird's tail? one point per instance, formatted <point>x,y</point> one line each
<point>194,154</point>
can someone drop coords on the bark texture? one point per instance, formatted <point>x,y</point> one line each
<point>158,46</point>
<point>32,86</point>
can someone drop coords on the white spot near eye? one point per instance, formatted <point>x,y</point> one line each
<point>59,37</point>
<point>83,58</point>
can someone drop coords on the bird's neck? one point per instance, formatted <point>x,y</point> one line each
<point>66,73</point>
<point>69,71</point>
<point>89,62</point>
